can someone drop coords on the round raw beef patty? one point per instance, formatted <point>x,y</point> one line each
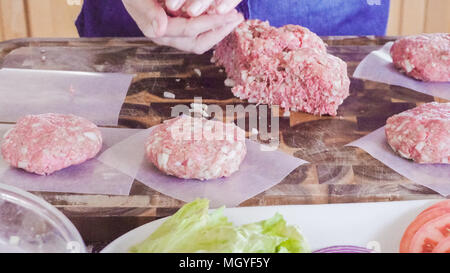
<point>196,148</point>
<point>424,57</point>
<point>421,134</point>
<point>46,143</point>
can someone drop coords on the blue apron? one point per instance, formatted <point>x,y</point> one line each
<point>325,17</point>
<point>103,18</point>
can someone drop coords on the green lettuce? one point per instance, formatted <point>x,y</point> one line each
<point>194,229</point>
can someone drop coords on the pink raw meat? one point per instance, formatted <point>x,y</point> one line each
<point>185,148</point>
<point>46,143</point>
<point>303,80</point>
<point>182,12</point>
<point>254,39</point>
<point>424,57</point>
<point>286,66</point>
<point>421,134</point>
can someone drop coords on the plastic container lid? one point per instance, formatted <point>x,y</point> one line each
<point>30,224</point>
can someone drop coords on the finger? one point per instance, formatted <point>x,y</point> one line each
<point>174,5</point>
<point>182,27</point>
<point>148,15</point>
<point>196,7</point>
<point>226,6</point>
<point>175,42</point>
<point>158,18</point>
<point>206,41</point>
<point>203,42</point>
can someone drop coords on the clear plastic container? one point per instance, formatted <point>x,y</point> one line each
<point>29,224</point>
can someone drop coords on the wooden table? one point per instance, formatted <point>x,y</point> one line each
<point>336,173</point>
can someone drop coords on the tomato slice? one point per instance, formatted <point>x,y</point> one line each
<point>443,247</point>
<point>431,234</point>
<point>422,219</point>
<point>445,203</point>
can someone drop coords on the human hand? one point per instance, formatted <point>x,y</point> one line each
<point>195,35</point>
<point>198,35</point>
<point>195,8</point>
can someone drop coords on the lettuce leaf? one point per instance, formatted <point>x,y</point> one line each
<point>193,229</point>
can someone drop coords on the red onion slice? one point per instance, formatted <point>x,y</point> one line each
<point>344,249</point>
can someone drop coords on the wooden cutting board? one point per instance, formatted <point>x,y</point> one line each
<point>335,174</point>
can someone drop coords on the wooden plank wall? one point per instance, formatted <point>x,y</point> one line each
<point>13,23</point>
<point>38,18</point>
<point>55,18</point>
<point>417,16</point>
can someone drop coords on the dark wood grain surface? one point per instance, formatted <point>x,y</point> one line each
<point>336,173</point>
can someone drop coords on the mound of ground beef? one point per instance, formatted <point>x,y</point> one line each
<point>287,66</point>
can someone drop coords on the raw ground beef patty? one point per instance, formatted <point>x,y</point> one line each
<point>286,66</point>
<point>424,57</point>
<point>185,147</point>
<point>46,143</point>
<point>421,134</point>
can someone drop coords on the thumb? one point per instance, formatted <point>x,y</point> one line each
<point>157,19</point>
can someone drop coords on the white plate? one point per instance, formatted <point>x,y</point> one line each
<point>378,225</point>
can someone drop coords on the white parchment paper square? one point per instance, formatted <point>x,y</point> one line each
<point>378,67</point>
<point>90,177</point>
<point>259,171</point>
<point>95,96</point>
<point>433,176</point>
